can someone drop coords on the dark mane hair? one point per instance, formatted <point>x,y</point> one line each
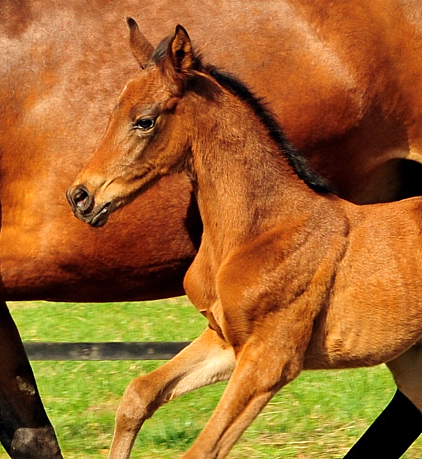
<point>295,158</point>
<point>241,91</point>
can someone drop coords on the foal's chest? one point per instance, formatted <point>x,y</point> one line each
<point>200,281</point>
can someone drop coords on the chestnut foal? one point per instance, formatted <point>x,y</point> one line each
<point>290,276</point>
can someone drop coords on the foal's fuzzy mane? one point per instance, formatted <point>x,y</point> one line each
<point>295,158</point>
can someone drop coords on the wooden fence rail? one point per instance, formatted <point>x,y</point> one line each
<point>103,351</point>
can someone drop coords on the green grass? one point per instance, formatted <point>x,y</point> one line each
<point>321,414</point>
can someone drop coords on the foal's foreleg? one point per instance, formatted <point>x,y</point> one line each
<point>268,361</point>
<point>205,361</point>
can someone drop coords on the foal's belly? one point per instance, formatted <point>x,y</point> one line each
<point>363,336</point>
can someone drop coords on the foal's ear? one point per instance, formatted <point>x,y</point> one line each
<point>180,57</point>
<point>180,51</point>
<point>141,47</point>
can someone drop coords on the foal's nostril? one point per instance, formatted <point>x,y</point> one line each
<point>81,199</point>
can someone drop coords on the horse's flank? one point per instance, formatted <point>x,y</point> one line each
<point>264,227</point>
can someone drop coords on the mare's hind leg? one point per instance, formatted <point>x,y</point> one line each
<point>205,361</point>
<point>400,423</point>
<point>25,431</point>
<point>392,433</point>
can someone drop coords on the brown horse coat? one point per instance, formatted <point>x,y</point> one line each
<point>343,76</point>
<point>289,276</point>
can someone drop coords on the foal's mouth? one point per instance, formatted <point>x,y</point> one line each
<point>98,218</point>
<point>85,209</point>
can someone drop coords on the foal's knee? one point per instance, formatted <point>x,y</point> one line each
<point>140,400</point>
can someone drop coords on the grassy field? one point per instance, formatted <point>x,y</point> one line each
<point>321,414</point>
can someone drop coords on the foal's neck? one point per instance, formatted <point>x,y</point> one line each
<point>245,184</point>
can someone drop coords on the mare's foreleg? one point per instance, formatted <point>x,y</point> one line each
<point>205,361</point>
<point>25,431</point>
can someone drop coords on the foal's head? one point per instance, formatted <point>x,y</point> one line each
<point>148,132</point>
<point>156,122</point>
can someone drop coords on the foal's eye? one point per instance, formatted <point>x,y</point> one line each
<point>144,124</point>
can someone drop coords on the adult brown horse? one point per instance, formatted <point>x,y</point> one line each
<point>289,276</point>
<point>343,76</point>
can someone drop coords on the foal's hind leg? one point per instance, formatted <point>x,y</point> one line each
<point>205,361</point>
<point>407,372</point>
<point>25,431</point>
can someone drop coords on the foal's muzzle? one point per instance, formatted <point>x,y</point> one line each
<point>84,208</point>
